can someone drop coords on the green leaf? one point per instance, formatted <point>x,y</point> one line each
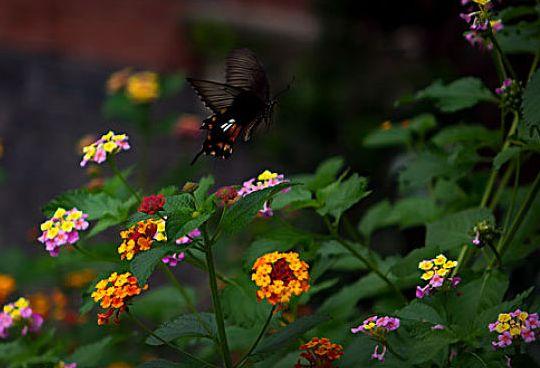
<point>187,325</point>
<point>181,223</point>
<point>426,166</point>
<point>453,230</point>
<point>239,215</point>
<point>161,303</point>
<point>376,217</point>
<point>177,203</point>
<point>477,296</point>
<point>476,134</point>
<point>490,315</point>
<point>531,104</point>
<point>512,12</point>
<point>422,123</point>
<point>295,197</point>
<point>504,156</point>
<point>520,38</point>
<point>202,190</point>
<point>460,94</point>
<point>395,136</point>
<point>414,211</point>
<point>289,334</point>
<point>89,355</point>
<point>144,263</point>
<point>162,363</point>
<point>338,197</point>
<point>420,312</point>
<point>240,304</point>
<point>325,174</point>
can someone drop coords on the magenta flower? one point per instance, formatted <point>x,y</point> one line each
<point>108,144</point>
<point>19,315</point>
<point>377,328</point>
<point>513,325</point>
<point>62,229</point>
<point>173,259</point>
<point>265,180</point>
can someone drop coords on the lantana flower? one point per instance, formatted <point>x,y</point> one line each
<point>114,293</point>
<point>437,272</point>
<point>227,196</point>
<point>377,328</point>
<point>7,286</point>
<point>61,229</point>
<point>63,364</point>
<point>142,87</point>
<point>279,276</point>
<point>481,24</point>
<point>19,315</point>
<point>319,352</point>
<point>173,259</point>
<point>152,204</point>
<point>140,237</point>
<point>266,179</point>
<point>108,144</point>
<point>513,326</point>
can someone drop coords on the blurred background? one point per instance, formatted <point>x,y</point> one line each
<point>351,61</point>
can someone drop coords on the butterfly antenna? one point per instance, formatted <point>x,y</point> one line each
<point>286,89</point>
<point>196,157</point>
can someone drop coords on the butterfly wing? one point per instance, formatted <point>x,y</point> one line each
<point>216,96</point>
<point>245,71</point>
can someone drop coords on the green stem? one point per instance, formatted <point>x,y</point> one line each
<point>119,175</point>
<point>200,264</point>
<point>522,212</point>
<point>363,259</point>
<point>533,65</point>
<point>504,181</point>
<point>218,311</point>
<point>502,55</point>
<point>151,333</point>
<point>257,340</point>
<point>186,297</point>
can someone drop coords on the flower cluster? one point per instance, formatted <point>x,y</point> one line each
<point>484,234</point>
<point>142,87</point>
<point>265,180</point>
<point>509,93</point>
<point>437,272</point>
<point>108,144</point>
<point>377,328</point>
<point>279,276</point>
<point>227,196</point>
<point>511,326</point>
<point>63,228</point>
<point>481,25</point>
<point>152,204</point>
<point>114,293</point>
<point>7,286</point>
<point>140,237</point>
<point>173,259</point>
<point>63,364</point>
<point>19,314</point>
<point>319,352</point>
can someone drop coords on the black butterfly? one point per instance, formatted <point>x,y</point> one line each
<point>238,106</point>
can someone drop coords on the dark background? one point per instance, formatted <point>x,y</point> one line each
<point>351,61</point>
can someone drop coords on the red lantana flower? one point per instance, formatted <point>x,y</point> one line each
<point>319,352</point>
<point>152,204</point>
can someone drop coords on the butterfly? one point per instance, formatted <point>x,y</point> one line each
<point>238,106</point>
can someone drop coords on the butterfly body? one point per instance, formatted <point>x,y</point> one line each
<point>238,106</point>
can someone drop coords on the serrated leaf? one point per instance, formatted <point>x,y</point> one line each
<point>89,355</point>
<point>414,211</point>
<point>297,194</point>
<point>202,190</point>
<point>144,263</point>
<point>179,202</point>
<point>244,211</point>
<point>187,325</point>
<point>180,224</point>
<point>460,94</point>
<point>240,304</point>
<point>520,38</point>
<point>289,334</point>
<point>531,104</point>
<point>325,174</point>
<point>338,197</point>
<point>453,230</point>
<point>426,166</point>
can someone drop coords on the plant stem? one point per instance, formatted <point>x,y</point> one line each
<point>533,65</point>
<point>218,311</point>
<point>504,180</point>
<point>257,340</point>
<point>151,333</point>
<point>200,264</point>
<point>505,61</point>
<point>522,212</point>
<point>374,268</point>
<point>186,297</point>
<point>119,175</point>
